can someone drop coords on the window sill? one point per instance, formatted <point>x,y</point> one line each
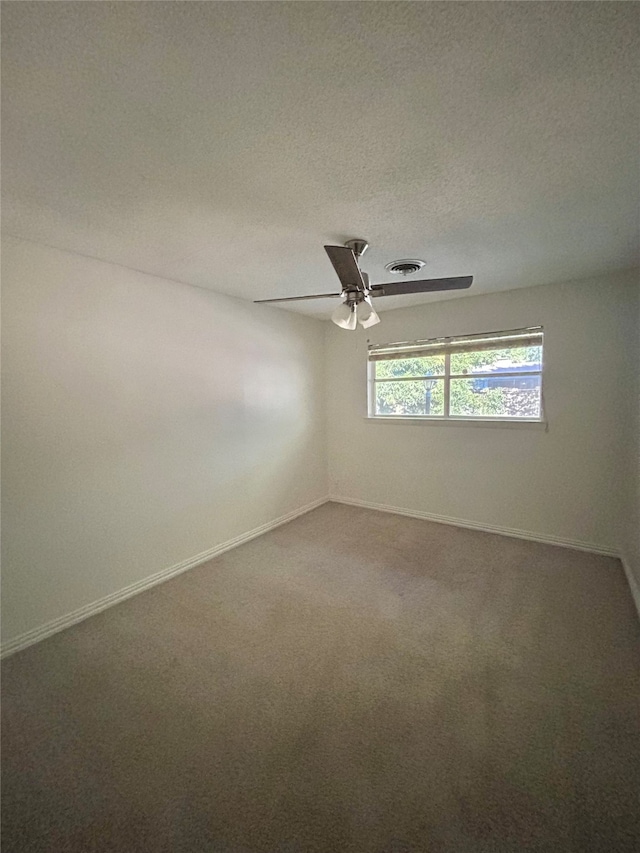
<point>461,422</point>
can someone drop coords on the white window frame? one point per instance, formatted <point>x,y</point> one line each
<point>445,345</point>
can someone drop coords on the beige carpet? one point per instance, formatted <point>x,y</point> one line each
<point>352,681</point>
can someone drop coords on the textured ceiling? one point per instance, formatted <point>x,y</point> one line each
<point>221,144</point>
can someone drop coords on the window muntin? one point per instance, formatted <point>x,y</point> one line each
<point>493,376</point>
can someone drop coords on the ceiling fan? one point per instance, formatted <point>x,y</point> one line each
<point>356,306</point>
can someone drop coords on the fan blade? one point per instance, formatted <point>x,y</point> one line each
<point>345,264</point>
<point>294,298</point>
<point>430,285</point>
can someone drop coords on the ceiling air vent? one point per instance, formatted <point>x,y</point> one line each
<point>405,266</point>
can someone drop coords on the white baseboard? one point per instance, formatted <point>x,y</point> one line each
<point>29,638</point>
<point>634,585</point>
<point>473,525</point>
<point>37,634</point>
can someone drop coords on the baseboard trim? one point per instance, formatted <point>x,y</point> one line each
<point>485,528</point>
<point>29,638</point>
<point>634,586</point>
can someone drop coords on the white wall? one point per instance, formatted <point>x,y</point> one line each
<point>144,422</point>
<point>565,483</point>
<point>630,518</point>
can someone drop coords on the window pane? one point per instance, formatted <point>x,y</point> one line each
<point>496,396</point>
<point>426,366</point>
<point>512,359</point>
<point>423,397</point>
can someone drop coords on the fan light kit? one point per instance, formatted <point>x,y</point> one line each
<point>356,294</point>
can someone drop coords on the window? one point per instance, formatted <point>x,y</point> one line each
<point>493,376</point>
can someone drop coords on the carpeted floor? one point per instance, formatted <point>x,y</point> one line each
<point>352,682</point>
